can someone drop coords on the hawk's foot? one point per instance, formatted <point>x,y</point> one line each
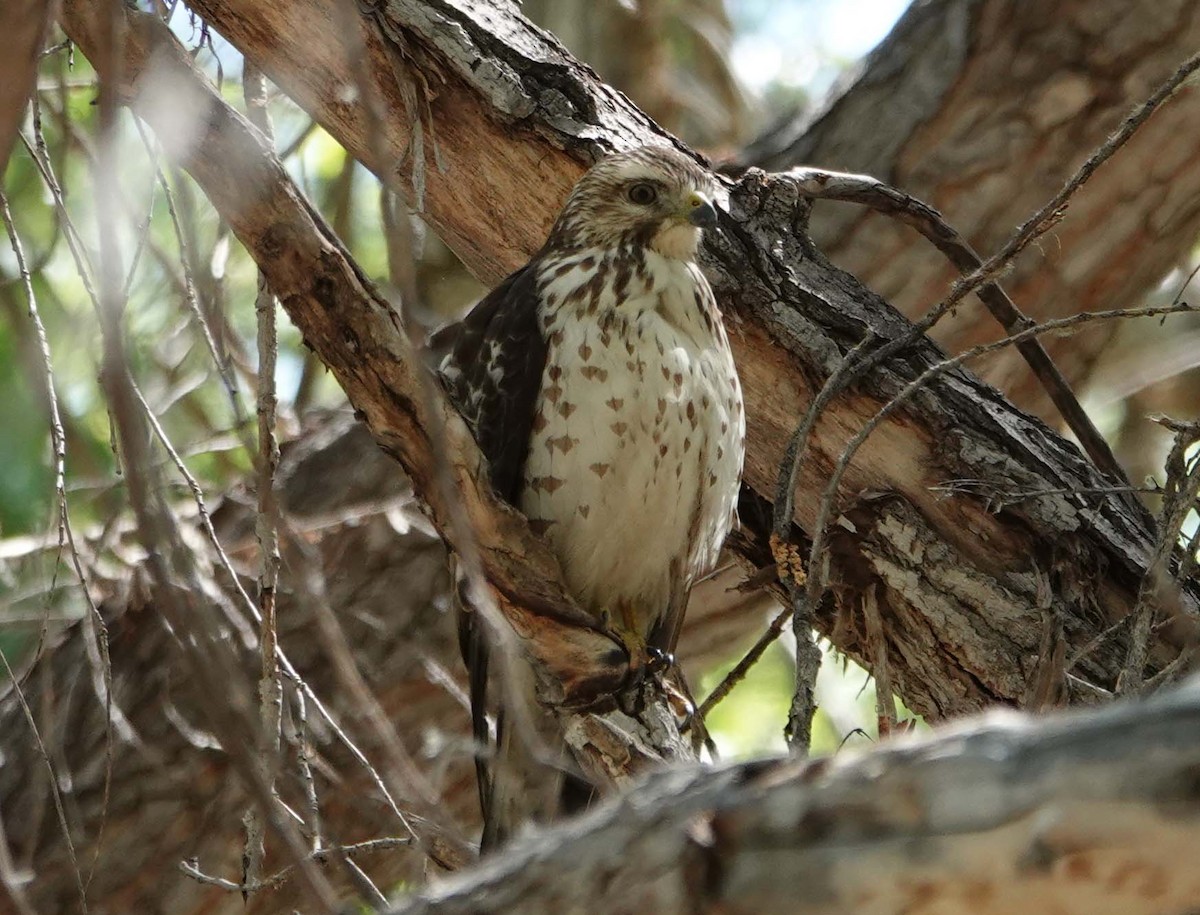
<point>658,661</point>
<point>642,657</point>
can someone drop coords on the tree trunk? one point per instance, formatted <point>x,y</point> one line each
<point>984,109</point>
<point>963,590</point>
<point>941,565</point>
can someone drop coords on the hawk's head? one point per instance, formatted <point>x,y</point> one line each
<point>651,196</point>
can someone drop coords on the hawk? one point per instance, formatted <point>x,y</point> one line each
<point>600,386</point>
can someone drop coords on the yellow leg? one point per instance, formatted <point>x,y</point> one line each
<point>626,630</point>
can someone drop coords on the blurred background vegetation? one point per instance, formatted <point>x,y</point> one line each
<point>716,72</point>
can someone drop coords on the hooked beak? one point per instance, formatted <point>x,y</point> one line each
<point>700,211</point>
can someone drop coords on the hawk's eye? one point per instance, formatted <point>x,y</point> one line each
<point>642,194</point>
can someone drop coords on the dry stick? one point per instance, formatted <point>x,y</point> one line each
<point>270,687</point>
<point>735,676</point>
<point>304,762</point>
<point>998,500</point>
<point>54,789</point>
<point>96,625</point>
<point>1191,560</point>
<point>1179,496</point>
<point>83,264</point>
<point>883,198</point>
<point>857,363</point>
<point>279,878</point>
<point>365,886</point>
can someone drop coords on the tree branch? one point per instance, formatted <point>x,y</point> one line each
<point>1002,815</point>
<point>513,116</point>
<point>983,125</point>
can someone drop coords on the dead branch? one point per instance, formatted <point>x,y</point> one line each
<point>790,312</point>
<point>1002,815</point>
<point>988,166</point>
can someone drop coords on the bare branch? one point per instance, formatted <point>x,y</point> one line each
<point>321,855</point>
<point>270,687</point>
<point>879,196</point>
<point>1001,815</point>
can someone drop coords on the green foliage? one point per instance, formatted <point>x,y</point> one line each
<point>749,721</point>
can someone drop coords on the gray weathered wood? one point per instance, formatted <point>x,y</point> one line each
<point>1093,813</point>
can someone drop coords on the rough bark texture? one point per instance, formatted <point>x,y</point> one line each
<point>949,567</point>
<point>174,793</point>
<point>1001,817</point>
<point>961,588</point>
<point>984,109</point>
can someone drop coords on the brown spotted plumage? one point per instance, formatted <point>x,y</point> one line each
<point>599,383</point>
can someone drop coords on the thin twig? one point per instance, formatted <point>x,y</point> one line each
<point>270,688</point>
<point>304,762</point>
<point>280,877</point>
<point>54,789</point>
<point>998,500</point>
<point>929,222</point>
<point>301,138</point>
<point>749,659</point>
<point>1180,490</point>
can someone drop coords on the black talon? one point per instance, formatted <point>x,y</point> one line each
<point>658,661</point>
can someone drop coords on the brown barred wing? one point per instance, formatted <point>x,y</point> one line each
<point>493,374</point>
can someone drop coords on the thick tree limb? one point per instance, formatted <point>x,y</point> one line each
<point>1003,815</point>
<point>959,586</point>
<point>983,109</point>
<point>512,115</point>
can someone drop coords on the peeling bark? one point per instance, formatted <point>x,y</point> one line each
<point>1001,816</point>
<point>983,109</point>
<point>962,588</point>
